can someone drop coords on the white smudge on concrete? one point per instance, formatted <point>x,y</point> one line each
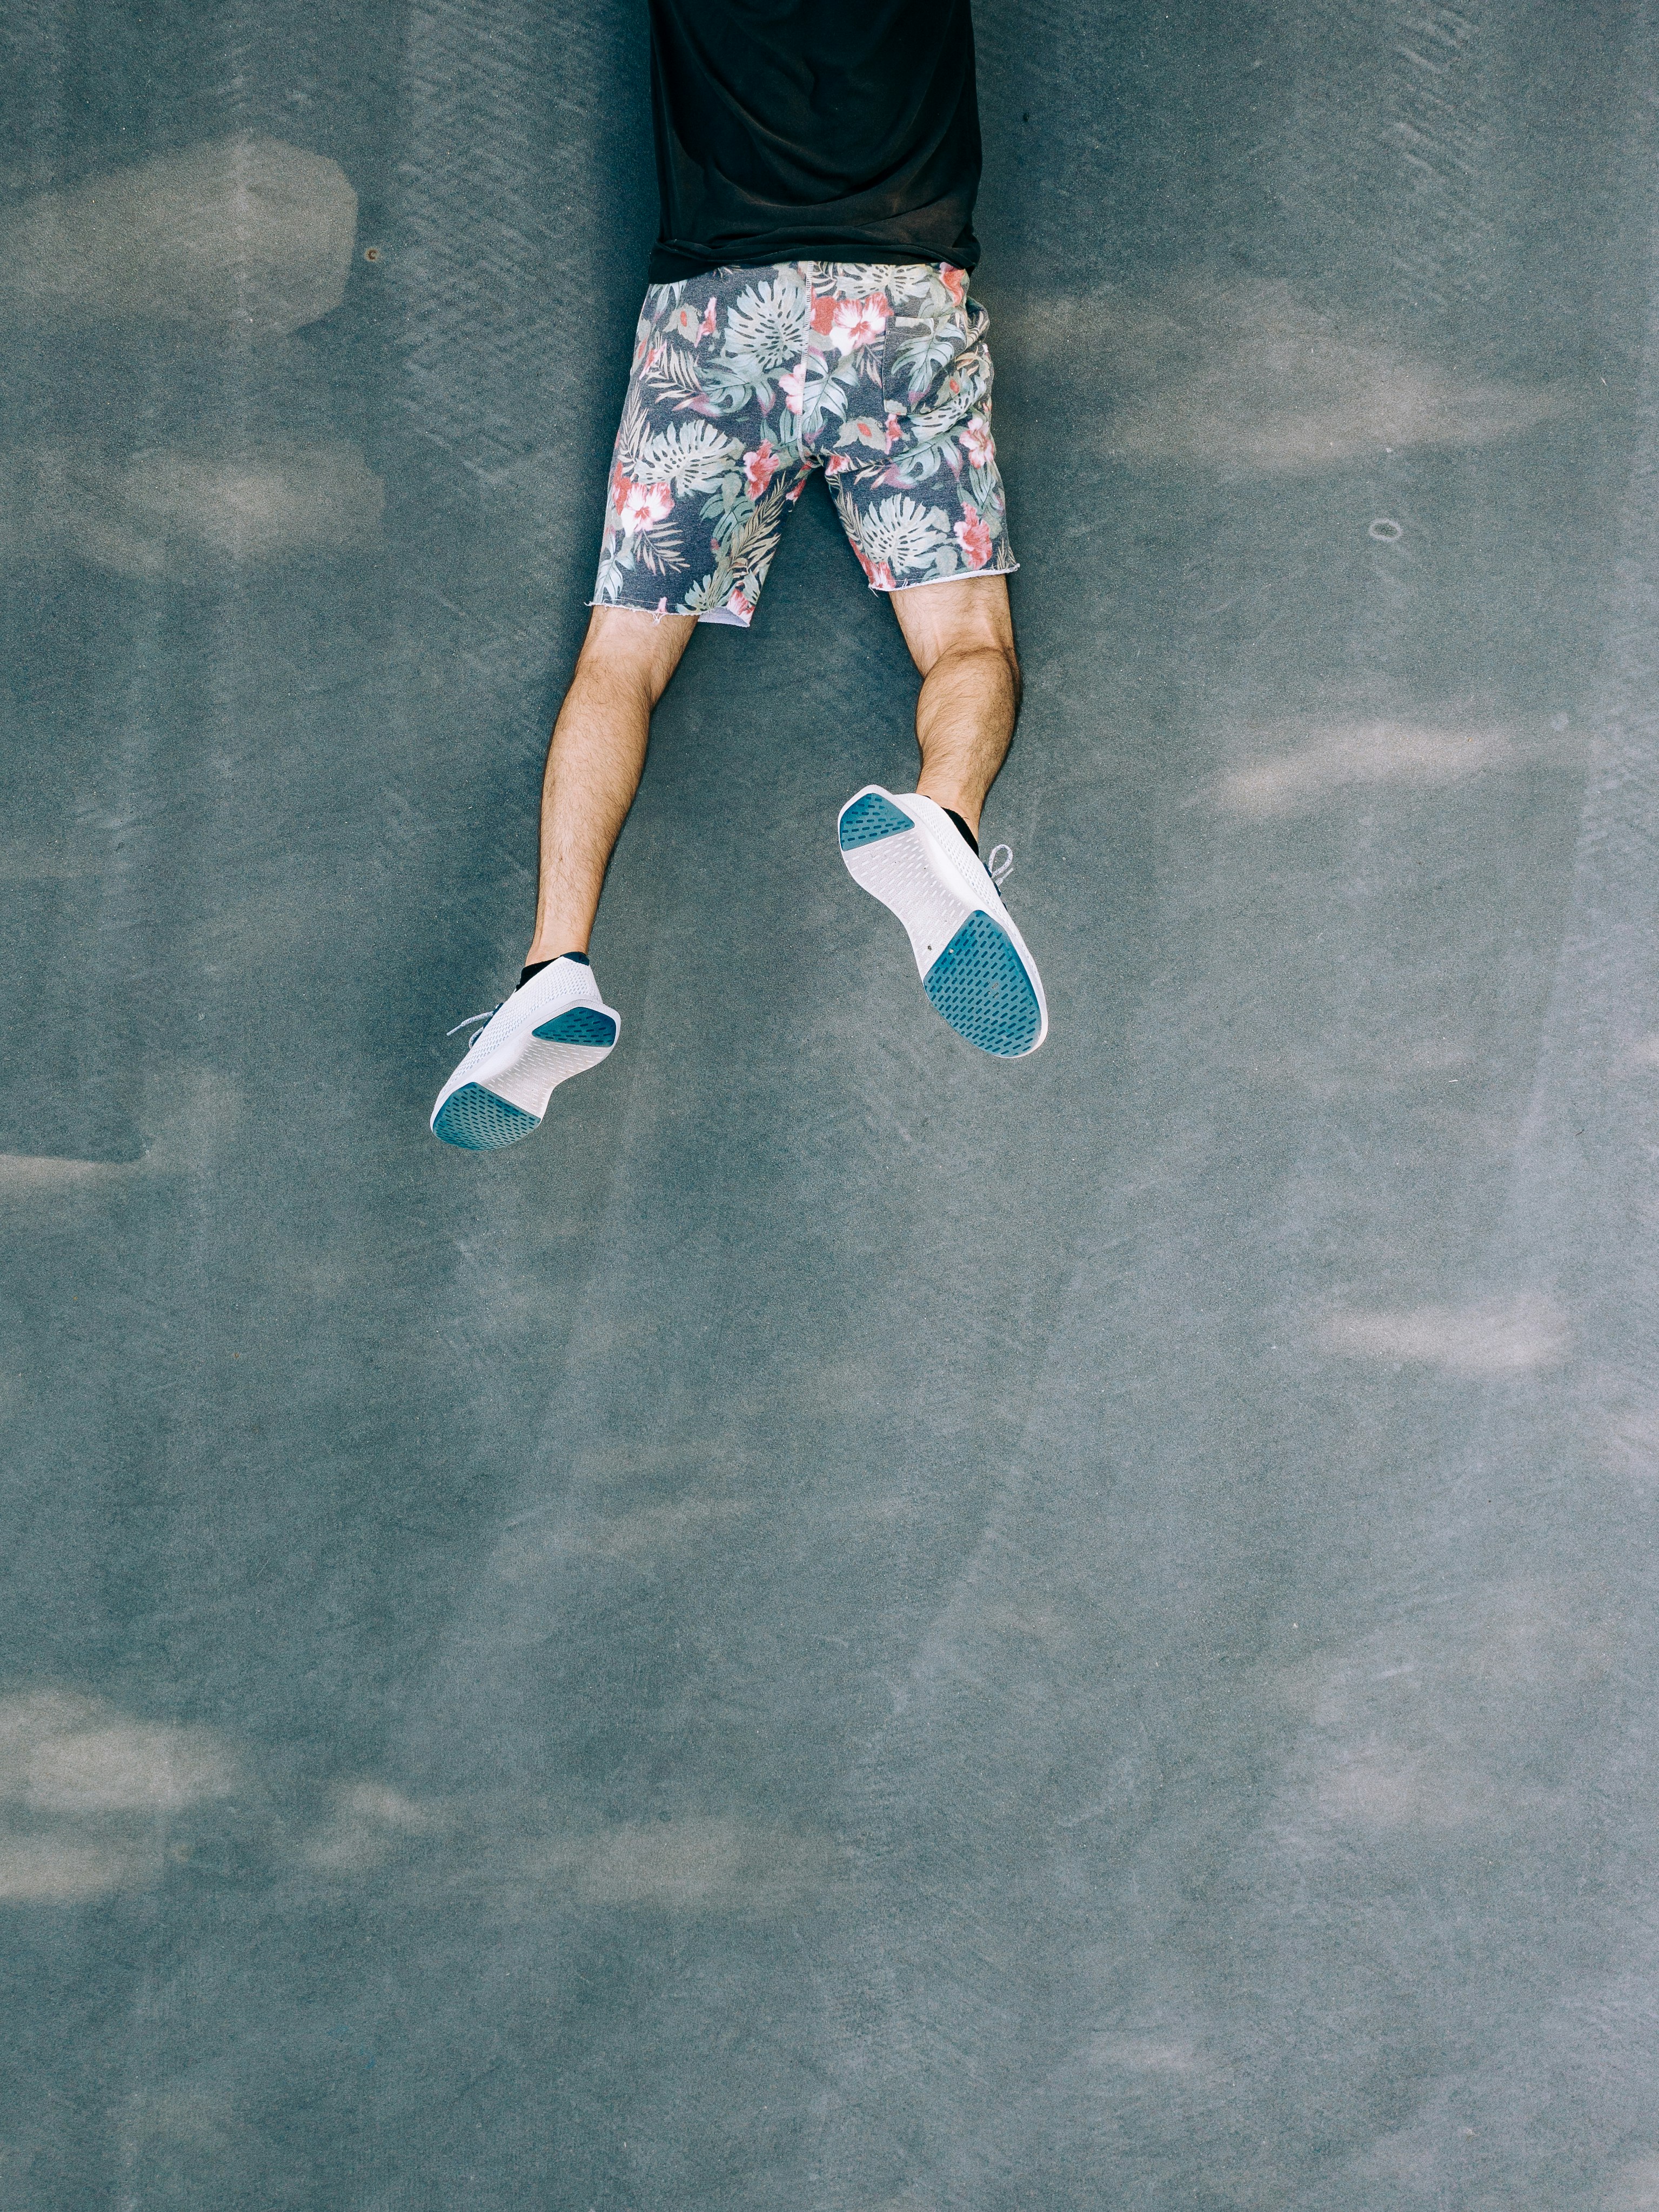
<point>52,1867</point>
<point>696,1863</point>
<point>1629,1435</point>
<point>646,1531</point>
<point>1513,1336</point>
<point>1385,1785</point>
<point>1417,1726</point>
<point>47,1175</point>
<point>1517,1636</point>
<point>161,510</point>
<point>244,238</point>
<point>82,1786</point>
<point>1365,755</point>
<point>1634,2187</point>
<point>63,1753</point>
<point>1248,379</point>
<point>368,1822</point>
<point>184,2114</point>
<point>1144,2054</point>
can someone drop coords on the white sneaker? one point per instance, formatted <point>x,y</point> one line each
<point>975,967</point>
<point>552,1027</point>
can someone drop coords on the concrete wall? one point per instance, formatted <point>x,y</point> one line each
<point>850,1627</point>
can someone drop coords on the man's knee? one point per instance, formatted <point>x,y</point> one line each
<point>633,649</point>
<point>989,662</point>
<point>968,615</point>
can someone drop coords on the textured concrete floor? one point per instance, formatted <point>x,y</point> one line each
<point>850,1629</point>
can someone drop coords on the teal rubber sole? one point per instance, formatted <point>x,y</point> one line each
<point>870,818</point>
<point>477,1121</point>
<point>580,1026</point>
<point>980,986</point>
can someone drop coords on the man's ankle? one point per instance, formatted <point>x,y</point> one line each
<point>537,961</point>
<point>961,825</point>
<point>965,817</point>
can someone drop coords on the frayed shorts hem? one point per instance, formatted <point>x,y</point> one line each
<point>723,618</point>
<point>925,583</point>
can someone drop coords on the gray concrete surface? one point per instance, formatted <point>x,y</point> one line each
<point>850,1627</point>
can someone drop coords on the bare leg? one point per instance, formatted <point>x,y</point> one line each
<point>961,636</point>
<point>594,763</point>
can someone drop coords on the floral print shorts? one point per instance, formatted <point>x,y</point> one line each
<point>746,379</point>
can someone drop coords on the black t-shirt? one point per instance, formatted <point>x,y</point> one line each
<point>813,130</point>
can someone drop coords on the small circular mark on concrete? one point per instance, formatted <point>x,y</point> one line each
<point>371,253</point>
<point>1386,530</point>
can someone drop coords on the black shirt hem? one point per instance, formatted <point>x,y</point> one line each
<point>672,260</point>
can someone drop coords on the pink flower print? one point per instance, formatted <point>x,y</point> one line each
<point>837,463</point>
<point>825,311</point>
<point>793,388</point>
<point>955,281</point>
<point>639,505</point>
<point>977,442</point>
<point>705,327</point>
<point>892,432</point>
<point>880,575</point>
<point>871,432</point>
<point>737,605</point>
<point>973,537</point>
<point>684,320</point>
<point>759,468</point>
<point>859,322</point>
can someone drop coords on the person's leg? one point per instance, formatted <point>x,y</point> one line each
<point>961,636</point>
<point>594,763</point>
<point>557,1024</point>
<point>903,848</point>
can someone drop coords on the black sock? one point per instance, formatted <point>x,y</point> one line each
<point>537,966</point>
<point>962,826</point>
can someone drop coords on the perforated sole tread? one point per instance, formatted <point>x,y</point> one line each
<point>580,1026</point>
<point>979,985</point>
<point>869,819</point>
<point>476,1121</point>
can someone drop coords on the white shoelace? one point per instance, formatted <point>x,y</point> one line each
<point>1000,871</point>
<point>483,1021</point>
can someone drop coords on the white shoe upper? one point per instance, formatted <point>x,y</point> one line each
<point>953,858</point>
<point>930,877</point>
<point>508,1058</point>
